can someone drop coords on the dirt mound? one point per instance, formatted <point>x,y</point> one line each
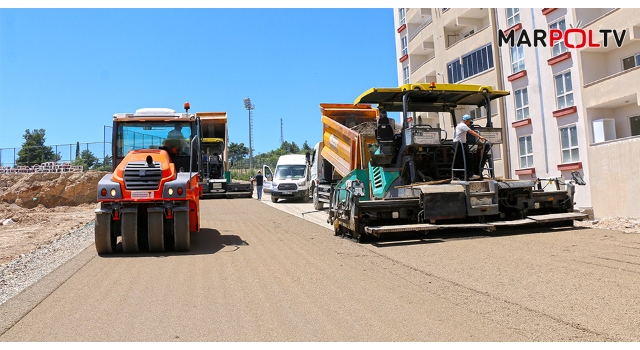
<point>49,189</point>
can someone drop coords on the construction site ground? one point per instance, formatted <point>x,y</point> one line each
<point>257,261</point>
<point>38,208</point>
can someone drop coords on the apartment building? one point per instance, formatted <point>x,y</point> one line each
<point>451,45</point>
<point>570,109</point>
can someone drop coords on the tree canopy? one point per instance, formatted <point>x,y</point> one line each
<point>237,151</point>
<point>88,160</point>
<point>34,151</point>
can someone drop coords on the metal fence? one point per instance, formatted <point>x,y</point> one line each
<point>241,170</point>
<point>67,153</point>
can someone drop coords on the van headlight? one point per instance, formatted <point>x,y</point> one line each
<point>302,183</point>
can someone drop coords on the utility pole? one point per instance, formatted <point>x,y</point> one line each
<point>250,107</point>
<point>281,135</point>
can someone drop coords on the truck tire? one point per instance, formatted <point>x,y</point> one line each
<point>181,234</point>
<point>155,229</point>
<point>105,241</point>
<point>129,224</point>
<point>274,199</point>
<point>317,205</point>
<point>305,199</point>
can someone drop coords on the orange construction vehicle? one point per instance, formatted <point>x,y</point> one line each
<point>151,200</point>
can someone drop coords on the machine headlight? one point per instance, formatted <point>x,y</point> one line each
<point>113,192</point>
<point>170,191</point>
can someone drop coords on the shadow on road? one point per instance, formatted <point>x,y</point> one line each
<point>207,241</point>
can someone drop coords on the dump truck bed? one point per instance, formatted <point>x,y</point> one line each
<point>348,130</point>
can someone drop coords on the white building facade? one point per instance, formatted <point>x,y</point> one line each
<point>570,109</point>
<point>454,45</point>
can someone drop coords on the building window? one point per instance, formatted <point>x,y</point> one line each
<point>569,143</point>
<point>517,59</point>
<point>564,90</point>
<point>405,49</point>
<point>473,63</point>
<point>558,47</point>
<point>405,73</point>
<point>454,70</point>
<point>635,125</point>
<point>526,152</point>
<point>477,61</point>
<point>513,17</point>
<point>522,104</point>
<point>631,61</point>
<point>402,16</point>
<point>475,113</point>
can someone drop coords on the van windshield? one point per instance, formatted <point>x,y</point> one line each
<point>290,171</point>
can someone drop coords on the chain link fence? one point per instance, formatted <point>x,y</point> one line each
<point>93,155</point>
<point>242,171</point>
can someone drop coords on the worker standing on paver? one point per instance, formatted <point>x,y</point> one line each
<point>460,141</point>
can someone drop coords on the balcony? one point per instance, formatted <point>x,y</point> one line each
<point>465,25</point>
<point>425,68</point>
<point>628,20</point>
<point>420,27</point>
<point>417,15</point>
<point>423,43</point>
<point>611,91</point>
<point>480,35</point>
<point>590,15</point>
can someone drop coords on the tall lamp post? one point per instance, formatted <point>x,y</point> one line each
<point>250,107</point>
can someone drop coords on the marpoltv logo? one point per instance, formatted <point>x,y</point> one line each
<point>573,38</point>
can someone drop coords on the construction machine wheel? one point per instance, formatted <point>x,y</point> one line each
<point>274,199</point>
<point>181,234</point>
<point>155,229</point>
<point>129,227</point>
<point>105,241</point>
<point>317,205</point>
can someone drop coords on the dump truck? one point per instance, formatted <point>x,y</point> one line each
<point>151,200</point>
<point>215,177</point>
<point>412,183</point>
<point>347,135</point>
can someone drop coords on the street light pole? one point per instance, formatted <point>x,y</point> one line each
<point>249,106</point>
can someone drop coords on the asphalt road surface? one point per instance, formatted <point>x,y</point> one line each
<point>257,273</point>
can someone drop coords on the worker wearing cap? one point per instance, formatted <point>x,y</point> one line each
<point>460,139</point>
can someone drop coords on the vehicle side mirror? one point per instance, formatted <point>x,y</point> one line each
<point>308,156</point>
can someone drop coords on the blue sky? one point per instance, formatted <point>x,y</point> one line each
<point>69,70</point>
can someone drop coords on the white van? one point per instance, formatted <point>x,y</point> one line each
<point>291,178</point>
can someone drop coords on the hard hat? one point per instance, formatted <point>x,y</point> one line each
<point>466,117</point>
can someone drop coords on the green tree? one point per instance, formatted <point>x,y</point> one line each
<point>305,147</point>
<point>290,147</point>
<point>87,160</point>
<point>34,151</point>
<point>104,165</point>
<point>238,151</point>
